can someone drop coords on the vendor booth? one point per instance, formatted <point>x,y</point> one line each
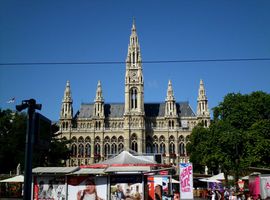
<point>121,177</point>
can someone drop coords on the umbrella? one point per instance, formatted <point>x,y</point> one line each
<point>15,179</point>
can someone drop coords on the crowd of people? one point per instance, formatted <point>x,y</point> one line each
<point>215,194</point>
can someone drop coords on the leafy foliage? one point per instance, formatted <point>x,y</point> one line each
<point>13,127</point>
<point>238,137</point>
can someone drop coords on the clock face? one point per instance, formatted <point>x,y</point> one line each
<point>133,76</point>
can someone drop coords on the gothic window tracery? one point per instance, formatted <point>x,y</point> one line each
<point>88,150</point>
<point>172,145</point>
<point>81,150</point>
<point>133,98</point>
<point>134,145</point>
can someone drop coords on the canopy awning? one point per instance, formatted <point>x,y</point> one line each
<point>15,179</point>
<point>86,171</point>
<point>134,169</point>
<point>54,170</point>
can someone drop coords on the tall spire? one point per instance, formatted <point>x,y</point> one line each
<point>134,55</point>
<point>134,84</point>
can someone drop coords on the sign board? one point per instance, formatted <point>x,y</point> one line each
<point>186,180</point>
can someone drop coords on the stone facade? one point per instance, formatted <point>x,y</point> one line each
<point>99,130</point>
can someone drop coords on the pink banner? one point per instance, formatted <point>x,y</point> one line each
<point>186,181</point>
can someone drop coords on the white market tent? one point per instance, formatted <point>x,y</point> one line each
<point>15,179</point>
<point>126,158</point>
<point>125,162</point>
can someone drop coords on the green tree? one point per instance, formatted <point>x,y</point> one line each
<point>12,137</point>
<point>12,144</point>
<point>238,136</point>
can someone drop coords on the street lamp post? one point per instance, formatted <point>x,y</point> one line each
<point>32,106</point>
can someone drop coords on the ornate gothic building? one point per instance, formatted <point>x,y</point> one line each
<point>99,130</point>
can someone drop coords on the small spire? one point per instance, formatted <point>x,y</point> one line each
<point>201,90</point>
<point>99,92</point>
<point>170,95</point>
<point>133,24</point>
<point>201,82</point>
<point>67,93</point>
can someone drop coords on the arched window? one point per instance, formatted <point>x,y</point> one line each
<point>81,140</point>
<point>81,152</point>
<point>87,139</point>
<point>97,146</point>
<point>172,148</point>
<point>182,149</point>
<point>87,150</point>
<point>74,139</point>
<point>155,145</point>
<point>97,149</point>
<point>134,145</point>
<point>106,139</point>
<point>162,148</point>
<point>120,139</point>
<point>162,139</point>
<point>114,149</point>
<point>120,147</point>
<point>74,150</point>
<point>181,138</point>
<point>133,100</point>
<point>113,139</point>
<point>107,149</point>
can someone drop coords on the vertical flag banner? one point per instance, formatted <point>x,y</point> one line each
<point>186,180</point>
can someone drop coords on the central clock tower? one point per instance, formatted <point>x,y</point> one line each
<point>134,103</point>
<point>134,96</point>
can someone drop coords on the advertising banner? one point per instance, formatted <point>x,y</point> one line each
<point>186,180</point>
<point>151,187</point>
<point>158,187</point>
<point>51,188</point>
<point>87,188</point>
<point>265,186</point>
<point>126,187</point>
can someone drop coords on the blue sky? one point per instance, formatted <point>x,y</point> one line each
<point>97,30</point>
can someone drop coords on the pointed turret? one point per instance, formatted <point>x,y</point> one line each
<point>67,109</point>
<point>170,101</point>
<point>202,106</point>
<point>99,102</point>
